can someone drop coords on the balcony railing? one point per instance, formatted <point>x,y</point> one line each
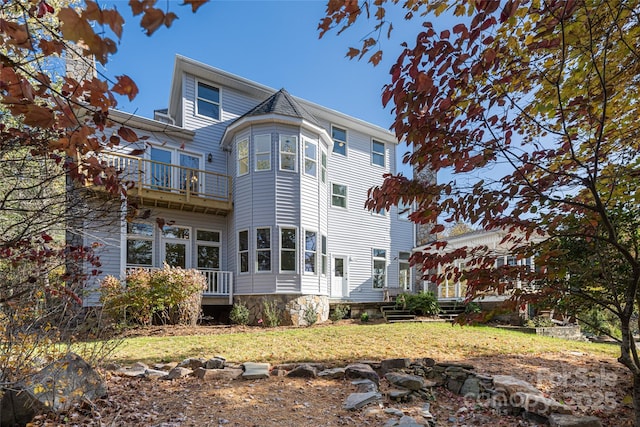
<point>155,180</point>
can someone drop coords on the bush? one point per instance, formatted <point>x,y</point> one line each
<point>239,314</point>
<point>364,317</point>
<point>271,313</point>
<point>424,303</point>
<point>340,311</point>
<point>310,316</point>
<point>540,322</point>
<point>171,295</point>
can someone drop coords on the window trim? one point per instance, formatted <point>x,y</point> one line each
<point>175,167</point>
<point>208,243</point>
<point>198,82</point>
<point>377,153</point>
<point>306,141</point>
<point>324,255</point>
<point>346,196</point>
<point>240,252</point>
<point>282,138</point>
<point>314,252</point>
<point>256,152</point>
<point>295,250</point>
<point>406,262</point>
<point>345,142</point>
<point>238,158</point>
<point>323,166</point>
<point>152,239</point>
<point>269,249</point>
<point>375,258</point>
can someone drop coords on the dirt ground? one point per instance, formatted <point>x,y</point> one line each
<point>590,385</point>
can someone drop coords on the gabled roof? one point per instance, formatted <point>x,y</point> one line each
<point>281,103</point>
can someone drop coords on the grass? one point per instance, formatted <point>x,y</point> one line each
<point>340,343</point>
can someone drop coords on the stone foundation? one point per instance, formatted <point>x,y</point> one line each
<point>291,307</point>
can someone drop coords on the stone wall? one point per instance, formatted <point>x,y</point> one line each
<point>291,307</point>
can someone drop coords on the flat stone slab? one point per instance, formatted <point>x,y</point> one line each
<point>512,385</point>
<point>332,374</point>
<point>178,372</point>
<point>398,395</point>
<point>226,374</point>
<point>538,404</point>
<point>411,382</point>
<point>193,363</point>
<point>361,370</point>
<point>255,371</point>
<point>303,371</point>
<point>216,362</point>
<point>566,420</point>
<point>365,386</point>
<point>358,400</point>
<point>391,364</point>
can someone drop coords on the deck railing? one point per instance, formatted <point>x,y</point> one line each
<point>153,175</point>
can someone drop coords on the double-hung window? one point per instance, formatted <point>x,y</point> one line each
<point>339,136</point>
<point>310,250</point>
<point>208,249</point>
<point>310,158</point>
<point>288,249</point>
<point>208,101</point>
<point>139,244</point>
<point>339,195</point>
<point>262,150</point>
<point>379,275</point>
<point>324,255</point>
<point>242,157</point>
<point>288,152</point>
<point>323,167</point>
<point>243,251</point>
<point>404,271</point>
<point>263,249</point>
<point>377,153</point>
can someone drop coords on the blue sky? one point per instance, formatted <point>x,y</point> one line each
<point>274,43</point>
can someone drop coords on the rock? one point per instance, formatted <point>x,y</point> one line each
<point>165,366</point>
<point>454,385</point>
<point>278,372</point>
<point>139,365</point>
<point>471,388</point>
<point>131,372</point>
<point>178,372</point>
<point>303,371</point>
<point>365,386</point>
<point>411,382</point>
<point>332,374</point>
<point>538,404</point>
<point>512,385</point>
<point>112,366</point>
<point>155,374</point>
<point>566,420</point>
<point>193,363</point>
<point>57,387</point>
<point>255,371</point>
<point>226,374</point>
<point>361,370</point>
<point>217,362</point>
<point>426,361</point>
<point>394,411</point>
<point>399,395</point>
<point>456,365</point>
<point>358,400</point>
<point>391,364</point>
<point>408,421</point>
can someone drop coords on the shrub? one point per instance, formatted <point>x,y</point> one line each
<point>340,311</point>
<point>271,313</point>
<point>310,315</point>
<point>364,317</point>
<point>540,322</point>
<point>239,314</point>
<point>424,303</point>
<point>472,308</point>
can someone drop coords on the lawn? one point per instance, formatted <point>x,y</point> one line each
<point>335,344</point>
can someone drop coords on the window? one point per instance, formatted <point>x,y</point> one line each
<point>188,173</point>
<point>339,140</point>
<point>310,158</point>
<point>176,247</point>
<point>404,209</point>
<point>288,152</point>
<point>404,271</point>
<point>310,249</point>
<point>243,251</point>
<point>242,156</point>
<point>139,244</point>
<point>324,255</point>
<point>379,268</point>
<point>339,195</point>
<point>288,249</point>
<point>381,212</point>
<point>208,102</point>
<point>208,249</point>
<point>263,249</point>
<point>323,167</point>
<point>262,150</point>
<point>377,153</point>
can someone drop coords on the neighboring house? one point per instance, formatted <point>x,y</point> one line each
<point>452,290</point>
<point>263,192</point>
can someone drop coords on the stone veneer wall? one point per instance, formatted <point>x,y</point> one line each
<point>291,307</point>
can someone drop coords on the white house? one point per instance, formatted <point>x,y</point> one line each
<point>263,192</point>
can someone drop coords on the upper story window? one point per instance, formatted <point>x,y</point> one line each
<point>242,157</point>
<point>263,249</point>
<point>377,153</point>
<point>262,152</point>
<point>323,167</point>
<point>379,268</point>
<point>339,195</point>
<point>139,244</point>
<point>339,136</point>
<point>404,209</point>
<point>310,158</point>
<point>208,101</point>
<point>288,152</point>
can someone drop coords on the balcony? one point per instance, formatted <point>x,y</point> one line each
<point>166,185</point>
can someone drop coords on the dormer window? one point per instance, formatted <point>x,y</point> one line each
<point>208,101</point>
